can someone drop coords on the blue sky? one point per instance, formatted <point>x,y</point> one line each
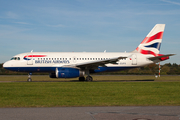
<point>86,25</point>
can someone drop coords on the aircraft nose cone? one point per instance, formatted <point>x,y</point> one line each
<point>6,64</point>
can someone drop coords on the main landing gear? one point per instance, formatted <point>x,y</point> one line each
<point>81,78</point>
<point>29,77</point>
<point>88,78</point>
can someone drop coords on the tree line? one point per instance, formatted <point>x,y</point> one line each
<point>153,69</point>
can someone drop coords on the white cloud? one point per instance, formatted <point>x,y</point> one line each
<point>58,25</point>
<point>24,23</point>
<point>12,15</point>
<point>172,2</point>
<point>8,30</point>
<point>156,12</point>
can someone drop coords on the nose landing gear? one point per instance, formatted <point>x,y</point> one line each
<point>29,77</point>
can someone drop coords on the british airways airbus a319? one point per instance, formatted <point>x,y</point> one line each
<point>80,64</point>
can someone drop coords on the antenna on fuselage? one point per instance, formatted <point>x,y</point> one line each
<point>31,50</point>
<point>105,51</point>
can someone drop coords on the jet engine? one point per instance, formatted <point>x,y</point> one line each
<point>65,72</point>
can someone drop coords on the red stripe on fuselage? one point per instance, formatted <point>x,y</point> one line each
<point>149,39</point>
<point>35,56</point>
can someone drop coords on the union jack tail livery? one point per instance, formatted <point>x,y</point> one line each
<point>152,42</point>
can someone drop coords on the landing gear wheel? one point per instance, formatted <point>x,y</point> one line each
<point>89,79</point>
<point>81,78</point>
<point>29,77</point>
<point>29,80</point>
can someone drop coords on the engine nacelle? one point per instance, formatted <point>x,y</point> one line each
<point>65,72</point>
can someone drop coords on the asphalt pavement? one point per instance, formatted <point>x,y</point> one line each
<point>92,113</point>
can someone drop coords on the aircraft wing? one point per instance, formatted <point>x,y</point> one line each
<point>161,57</point>
<point>95,64</point>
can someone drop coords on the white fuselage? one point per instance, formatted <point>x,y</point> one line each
<point>40,60</point>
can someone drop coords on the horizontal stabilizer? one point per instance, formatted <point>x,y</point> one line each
<point>161,57</point>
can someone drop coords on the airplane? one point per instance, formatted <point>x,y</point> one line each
<point>81,64</point>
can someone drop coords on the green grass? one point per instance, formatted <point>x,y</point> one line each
<point>53,94</point>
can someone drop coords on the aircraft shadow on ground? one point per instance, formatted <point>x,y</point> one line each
<point>124,80</point>
<point>146,80</point>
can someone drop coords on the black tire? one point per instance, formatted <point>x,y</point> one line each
<point>29,80</point>
<point>81,78</point>
<point>89,79</point>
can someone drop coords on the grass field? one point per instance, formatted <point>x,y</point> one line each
<point>53,94</point>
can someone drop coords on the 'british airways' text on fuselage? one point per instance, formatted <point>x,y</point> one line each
<point>51,61</point>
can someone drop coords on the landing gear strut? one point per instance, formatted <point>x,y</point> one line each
<point>29,77</point>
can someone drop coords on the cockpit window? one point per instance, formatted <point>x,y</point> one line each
<point>15,58</point>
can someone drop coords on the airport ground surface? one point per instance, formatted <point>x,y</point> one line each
<point>96,78</point>
<point>136,98</point>
<point>92,113</point>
